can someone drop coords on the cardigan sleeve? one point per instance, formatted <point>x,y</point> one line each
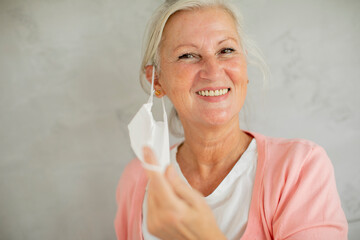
<point>129,197</point>
<point>122,214</point>
<point>309,206</point>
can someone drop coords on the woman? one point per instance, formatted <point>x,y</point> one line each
<point>224,183</point>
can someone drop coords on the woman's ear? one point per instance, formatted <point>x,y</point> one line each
<point>148,72</point>
<point>159,91</point>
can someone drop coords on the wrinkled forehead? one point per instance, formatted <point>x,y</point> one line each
<point>185,25</point>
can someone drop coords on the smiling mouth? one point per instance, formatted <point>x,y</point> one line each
<point>213,93</point>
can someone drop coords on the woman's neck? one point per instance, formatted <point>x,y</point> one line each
<point>209,150</point>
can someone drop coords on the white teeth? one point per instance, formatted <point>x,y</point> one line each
<point>212,93</point>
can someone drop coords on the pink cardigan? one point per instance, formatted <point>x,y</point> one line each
<point>294,195</point>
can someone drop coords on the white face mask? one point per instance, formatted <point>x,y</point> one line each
<point>145,131</point>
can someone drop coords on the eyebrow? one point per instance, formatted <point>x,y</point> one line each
<point>185,45</point>
<point>195,46</point>
<point>228,38</point>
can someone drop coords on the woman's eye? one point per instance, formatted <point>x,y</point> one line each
<point>187,56</point>
<point>227,50</point>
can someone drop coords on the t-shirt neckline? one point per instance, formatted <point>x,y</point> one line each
<point>240,166</point>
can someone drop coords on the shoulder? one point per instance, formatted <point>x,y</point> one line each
<point>129,197</point>
<point>287,161</point>
<point>133,170</point>
<point>279,146</point>
<point>133,175</point>
<point>299,192</point>
<point>293,153</point>
<point>289,165</point>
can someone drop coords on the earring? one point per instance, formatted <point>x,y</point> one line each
<point>248,81</point>
<point>157,92</point>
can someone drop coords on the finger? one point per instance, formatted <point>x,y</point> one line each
<point>160,191</point>
<point>149,155</point>
<point>166,227</point>
<point>150,159</point>
<point>154,177</point>
<point>181,189</point>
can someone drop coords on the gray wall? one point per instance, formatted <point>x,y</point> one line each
<point>68,88</point>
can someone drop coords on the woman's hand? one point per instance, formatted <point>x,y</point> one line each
<point>176,211</point>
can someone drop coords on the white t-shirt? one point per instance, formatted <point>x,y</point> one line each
<point>230,201</point>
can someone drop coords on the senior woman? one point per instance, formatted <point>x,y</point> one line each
<point>223,183</point>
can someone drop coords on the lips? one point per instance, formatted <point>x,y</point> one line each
<point>213,93</point>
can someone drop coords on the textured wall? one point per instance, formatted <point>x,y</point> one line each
<point>68,88</point>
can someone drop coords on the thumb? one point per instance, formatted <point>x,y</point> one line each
<point>150,160</point>
<point>149,156</point>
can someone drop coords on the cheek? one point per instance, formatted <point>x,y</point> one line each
<point>173,88</point>
<point>237,71</point>
<point>177,80</point>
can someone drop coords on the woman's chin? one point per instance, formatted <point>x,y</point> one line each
<point>216,119</point>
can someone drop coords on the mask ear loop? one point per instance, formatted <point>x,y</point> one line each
<point>152,95</point>
<point>156,168</point>
<point>152,90</point>
<point>148,166</point>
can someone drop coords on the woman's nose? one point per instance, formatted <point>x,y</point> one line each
<point>210,69</point>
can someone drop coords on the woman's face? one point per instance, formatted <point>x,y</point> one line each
<point>201,55</point>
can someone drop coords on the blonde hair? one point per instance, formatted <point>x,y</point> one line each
<point>154,34</point>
